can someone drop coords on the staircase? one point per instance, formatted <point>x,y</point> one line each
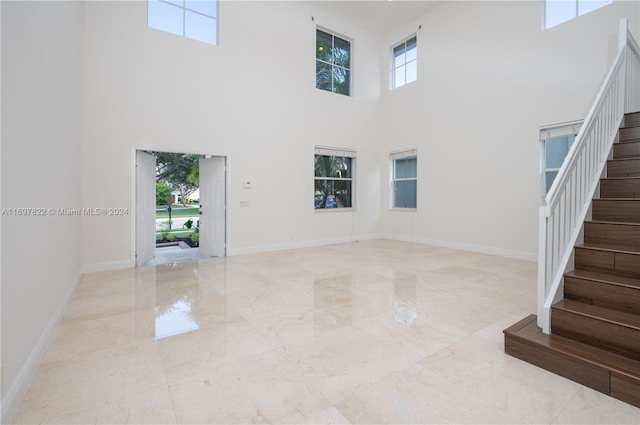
<point>595,329</point>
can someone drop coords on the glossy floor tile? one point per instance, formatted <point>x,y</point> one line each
<point>360,333</point>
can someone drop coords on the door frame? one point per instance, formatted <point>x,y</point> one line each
<point>132,210</point>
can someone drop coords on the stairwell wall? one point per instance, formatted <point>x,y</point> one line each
<point>488,78</point>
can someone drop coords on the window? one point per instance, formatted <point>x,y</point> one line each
<point>555,151</point>
<point>404,63</point>
<point>404,169</point>
<point>333,178</point>
<point>559,11</point>
<point>195,19</point>
<point>333,63</point>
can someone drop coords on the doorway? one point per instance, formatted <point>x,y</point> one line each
<point>204,200</point>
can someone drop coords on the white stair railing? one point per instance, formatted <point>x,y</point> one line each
<point>566,205</point>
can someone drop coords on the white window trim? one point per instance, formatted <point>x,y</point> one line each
<point>347,153</point>
<point>393,156</point>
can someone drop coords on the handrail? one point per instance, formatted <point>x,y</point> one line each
<point>567,204</point>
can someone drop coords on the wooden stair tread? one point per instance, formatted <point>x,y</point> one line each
<point>617,317</point>
<point>616,199</point>
<point>616,223</point>
<point>528,330</point>
<point>595,328</point>
<point>614,247</point>
<point>605,277</point>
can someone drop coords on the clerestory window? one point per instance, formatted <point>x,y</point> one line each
<point>197,19</point>
<point>404,62</point>
<point>557,12</point>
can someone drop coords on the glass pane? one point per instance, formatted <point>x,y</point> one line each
<point>346,168</point>
<point>405,194</point>
<point>342,52</point>
<point>400,169</point>
<point>399,50</point>
<point>399,57</point>
<point>332,166</point>
<point>412,167</point>
<point>559,11</point>
<point>556,150</point>
<point>323,76</point>
<point>323,46</point>
<point>342,190</point>
<point>412,71</point>
<point>399,77</point>
<point>179,3</point>
<point>332,194</point>
<point>412,49</point>
<point>165,17</point>
<point>206,7</point>
<point>406,168</point>
<point>200,27</point>
<point>550,177</point>
<point>399,60</point>
<point>341,77</point>
<point>586,6</point>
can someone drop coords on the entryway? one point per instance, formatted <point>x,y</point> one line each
<point>210,224</point>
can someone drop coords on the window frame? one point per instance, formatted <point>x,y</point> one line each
<point>184,8</point>
<point>332,64</point>
<point>392,71</point>
<point>393,158</point>
<point>577,12</point>
<point>339,153</point>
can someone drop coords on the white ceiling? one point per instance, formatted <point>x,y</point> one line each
<point>378,16</point>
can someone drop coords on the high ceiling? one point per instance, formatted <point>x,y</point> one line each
<point>378,16</point>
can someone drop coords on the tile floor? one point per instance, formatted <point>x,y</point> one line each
<point>367,332</point>
<point>172,254</point>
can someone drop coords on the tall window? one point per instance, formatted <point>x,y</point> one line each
<point>333,63</point>
<point>333,181</point>
<point>404,169</point>
<point>404,63</point>
<point>195,19</point>
<point>559,11</point>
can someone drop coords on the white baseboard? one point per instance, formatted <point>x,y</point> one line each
<point>509,253</point>
<point>521,255</point>
<point>108,266</point>
<point>298,244</point>
<point>15,394</point>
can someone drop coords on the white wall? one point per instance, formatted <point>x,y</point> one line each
<point>89,83</point>
<point>252,98</point>
<point>41,143</point>
<point>488,78</point>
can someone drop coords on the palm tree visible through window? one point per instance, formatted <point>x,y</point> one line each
<point>333,182</point>
<point>333,63</point>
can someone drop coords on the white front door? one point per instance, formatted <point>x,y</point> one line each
<point>145,207</point>
<point>213,206</point>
